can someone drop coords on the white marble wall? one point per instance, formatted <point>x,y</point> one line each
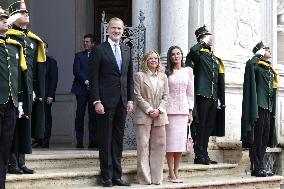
<point>236,27</point>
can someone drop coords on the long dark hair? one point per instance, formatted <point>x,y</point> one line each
<point>170,64</point>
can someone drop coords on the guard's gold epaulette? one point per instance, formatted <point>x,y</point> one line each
<point>41,55</point>
<point>222,66</point>
<point>23,62</point>
<point>275,73</point>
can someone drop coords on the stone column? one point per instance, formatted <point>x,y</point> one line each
<point>174,25</point>
<point>270,30</point>
<point>151,12</point>
<point>200,12</point>
<point>280,35</point>
<point>280,67</point>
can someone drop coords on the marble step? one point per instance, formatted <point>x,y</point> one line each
<point>62,158</point>
<point>212,182</point>
<point>89,176</point>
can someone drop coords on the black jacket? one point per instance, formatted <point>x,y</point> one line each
<point>107,83</point>
<point>51,77</point>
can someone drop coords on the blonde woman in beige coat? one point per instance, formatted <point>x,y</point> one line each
<point>151,95</point>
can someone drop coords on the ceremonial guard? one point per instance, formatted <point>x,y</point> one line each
<point>33,81</point>
<point>209,108</point>
<point>258,108</point>
<point>12,62</point>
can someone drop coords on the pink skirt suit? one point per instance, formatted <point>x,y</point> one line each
<point>181,99</point>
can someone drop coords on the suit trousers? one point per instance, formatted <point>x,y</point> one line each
<point>48,123</point>
<point>260,139</point>
<point>7,126</point>
<point>206,110</point>
<point>151,148</point>
<point>111,128</point>
<point>82,101</point>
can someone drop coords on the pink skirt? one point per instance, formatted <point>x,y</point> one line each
<point>176,133</point>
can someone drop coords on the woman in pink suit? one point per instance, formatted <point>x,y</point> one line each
<point>150,117</point>
<point>179,109</point>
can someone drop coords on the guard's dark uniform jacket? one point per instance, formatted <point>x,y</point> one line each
<point>12,63</point>
<point>209,82</point>
<point>259,90</point>
<point>32,80</point>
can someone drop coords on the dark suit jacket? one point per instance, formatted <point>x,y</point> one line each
<point>107,83</point>
<point>80,72</point>
<point>51,77</point>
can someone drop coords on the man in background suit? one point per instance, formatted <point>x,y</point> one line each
<point>111,85</point>
<point>80,88</point>
<point>51,79</point>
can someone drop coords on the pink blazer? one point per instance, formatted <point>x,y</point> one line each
<point>181,95</point>
<point>146,97</point>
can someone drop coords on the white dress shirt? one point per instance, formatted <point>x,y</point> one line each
<point>154,81</point>
<point>112,43</point>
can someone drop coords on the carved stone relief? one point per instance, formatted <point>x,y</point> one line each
<point>246,29</point>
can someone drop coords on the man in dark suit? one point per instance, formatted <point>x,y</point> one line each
<point>80,88</point>
<point>51,79</point>
<point>111,84</point>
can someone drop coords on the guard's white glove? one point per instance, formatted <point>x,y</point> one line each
<point>218,104</point>
<point>34,96</point>
<point>13,18</point>
<point>87,82</point>
<point>20,109</point>
<point>261,52</point>
<point>206,39</point>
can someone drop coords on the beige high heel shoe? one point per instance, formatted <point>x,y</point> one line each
<point>172,180</point>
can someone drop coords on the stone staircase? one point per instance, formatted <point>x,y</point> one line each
<point>79,169</point>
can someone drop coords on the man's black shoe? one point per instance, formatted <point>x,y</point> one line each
<point>120,182</point>
<point>27,170</point>
<point>202,161</point>
<point>15,170</point>
<point>269,173</point>
<point>259,173</point>
<point>212,161</point>
<point>93,145</point>
<point>107,183</point>
<point>36,145</point>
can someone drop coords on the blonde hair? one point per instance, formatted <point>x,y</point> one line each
<point>144,64</point>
